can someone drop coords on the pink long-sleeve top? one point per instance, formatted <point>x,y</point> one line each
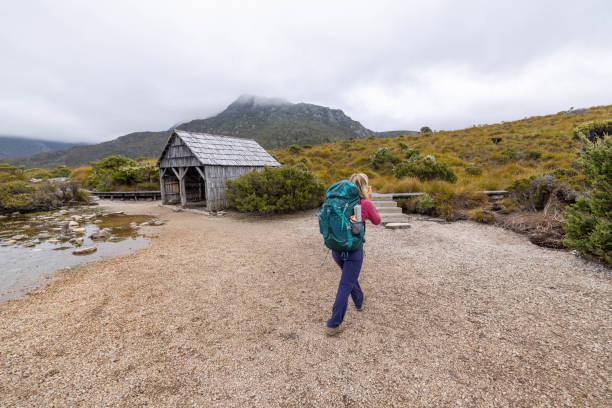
<point>368,212</point>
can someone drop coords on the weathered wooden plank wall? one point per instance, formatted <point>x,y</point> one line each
<point>178,155</point>
<point>215,183</point>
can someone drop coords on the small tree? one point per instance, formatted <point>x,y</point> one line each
<point>426,129</point>
<point>589,222</point>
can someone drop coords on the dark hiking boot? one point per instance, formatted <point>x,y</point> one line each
<point>360,309</point>
<point>334,331</point>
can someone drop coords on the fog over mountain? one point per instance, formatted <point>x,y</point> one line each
<point>88,72</point>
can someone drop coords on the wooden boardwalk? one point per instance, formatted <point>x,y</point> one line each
<point>128,195</point>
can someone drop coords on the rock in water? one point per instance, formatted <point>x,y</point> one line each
<point>84,251</point>
<point>102,234</point>
<point>73,225</point>
<point>9,243</point>
<point>19,237</point>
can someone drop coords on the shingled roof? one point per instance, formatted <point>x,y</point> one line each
<point>220,150</point>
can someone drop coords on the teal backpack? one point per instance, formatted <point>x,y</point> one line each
<point>334,218</point>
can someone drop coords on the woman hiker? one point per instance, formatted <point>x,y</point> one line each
<point>349,284</point>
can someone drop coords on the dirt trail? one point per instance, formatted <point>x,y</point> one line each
<point>227,312</point>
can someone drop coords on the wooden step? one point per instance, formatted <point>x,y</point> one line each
<point>381,203</point>
<point>389,210</point>
<point>386,219</point>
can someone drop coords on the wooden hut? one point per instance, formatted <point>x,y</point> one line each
<point>193,167</point>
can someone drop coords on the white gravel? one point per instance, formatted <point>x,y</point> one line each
<point>227,312</point>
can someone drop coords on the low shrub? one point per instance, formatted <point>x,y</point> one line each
<point>533,155</point>
<point>382,157</point>
<point>473,170</point>
<point>426,205</point>
<point>27,197</point>
<point>80,174</point>
<point>294,148</point>
<point>510,155</point>
<point>413,154</point>
<point>594,130</point>
<point>481,215</point>
<point>537,193</point>
<point>425,169</point>
<point>275,190</point>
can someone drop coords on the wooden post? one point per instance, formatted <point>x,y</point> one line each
<point>162,185</point>
<point>180,174</point>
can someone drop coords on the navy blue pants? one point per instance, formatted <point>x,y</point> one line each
<point>348,285</point>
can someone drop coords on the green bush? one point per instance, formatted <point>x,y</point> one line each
<point>413,154</point>
<point>510,155</point>
<point>425,129</point>
<point>118,172</point>
<point>588,224</point>
<point>425,169</point>
<point>594,130</point>
<point>383,157</point>
<point>275,190</point>
<point>294,148</point>
<point>426,205</point>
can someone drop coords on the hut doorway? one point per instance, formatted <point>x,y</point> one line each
<point>193,181</point>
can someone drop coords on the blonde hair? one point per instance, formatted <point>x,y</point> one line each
<point>361,181</point>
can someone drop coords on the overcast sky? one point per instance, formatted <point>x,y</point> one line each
<point>94,70</point>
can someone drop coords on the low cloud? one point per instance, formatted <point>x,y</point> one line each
<point>95,71</point>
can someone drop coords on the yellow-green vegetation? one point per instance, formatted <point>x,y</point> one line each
<point>32,190</point>
<point>487,157</point>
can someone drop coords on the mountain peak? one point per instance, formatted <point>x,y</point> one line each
<point>255,100</point>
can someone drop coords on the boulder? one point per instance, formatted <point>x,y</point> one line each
<point>9,242</point>
<point>76,241</point>
<point>44,235</point>
<point>19,237</point>
<point>77,217</point>
<point>29,244</point>
<point>53,241</point>
<point>84,251</point>
<point>73,224</point>
<point>79,230</point>
<point>101,234</point>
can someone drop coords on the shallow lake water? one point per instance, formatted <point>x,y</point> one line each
<point>22,267</point>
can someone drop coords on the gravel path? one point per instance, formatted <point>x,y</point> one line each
<point>227,312</point>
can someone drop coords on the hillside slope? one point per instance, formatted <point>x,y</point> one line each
<point>13,146</point>
<point>530,147</point>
